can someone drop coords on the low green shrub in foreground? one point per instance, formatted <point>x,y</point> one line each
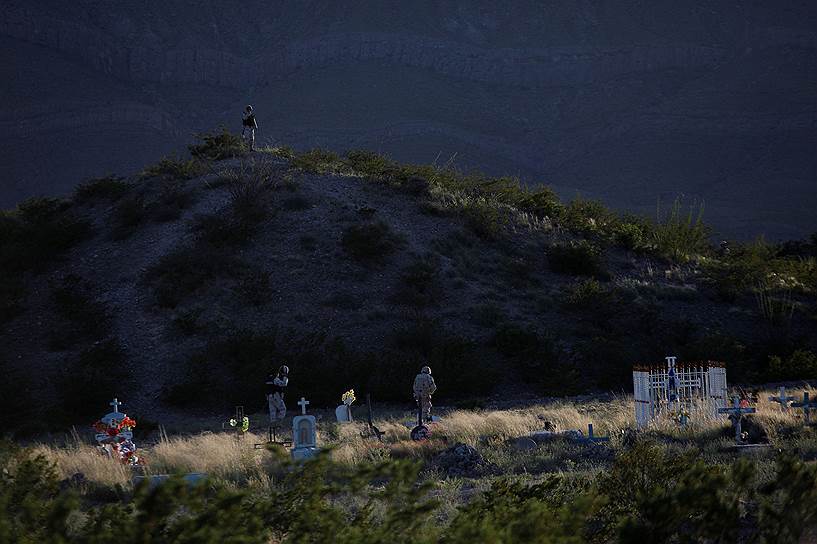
<point>648,495</point>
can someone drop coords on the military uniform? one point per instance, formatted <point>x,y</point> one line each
<point>424,387</point>
<point>275,397</point>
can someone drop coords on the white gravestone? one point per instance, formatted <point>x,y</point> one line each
<point>304,435</point>
<point>343,413</point>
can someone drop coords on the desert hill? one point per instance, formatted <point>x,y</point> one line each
<point>181,288</point>
<point>630,104</point>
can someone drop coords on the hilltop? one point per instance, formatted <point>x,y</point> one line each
<point>630,104</point>
<point>178,289</point>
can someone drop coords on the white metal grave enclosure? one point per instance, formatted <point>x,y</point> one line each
<point>697,389</point>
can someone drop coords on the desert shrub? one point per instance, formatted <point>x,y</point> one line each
<point>128,216</point>
<point>535,356</point>
<point>187,321</point>
<point>680,237</point>
<point>172,200</point>
<point>584,294</point>
<point>370,164</point>
<point>419,283</point>
<point>515,512</point>
<point>632,234</point>
<point>578,258</point>
<point>800,365</point>
<point>247,197</point>
<point>218,145</point>
<point>454,360</point>
<point>370,241</point>
<point>106,188</point>
<point>185,270</point>
<point>318,161</point>
<point>103,366</point>
<point>519,272</point>
<point>590,216</point>
<point>174,168</point>
<point>36,233</point>
<point>86,318</point>
<point>296,203</point>
<point>253,285</point>
<point>484,217</point>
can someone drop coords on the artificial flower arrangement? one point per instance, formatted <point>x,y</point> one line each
<point>348,397</point>
<point>115,444</point>
<point>245,424</point>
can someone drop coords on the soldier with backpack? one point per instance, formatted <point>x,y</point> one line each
<point>249,125</point>
<point>276,385</point>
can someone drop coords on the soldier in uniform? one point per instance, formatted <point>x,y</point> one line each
<point>276,385</point>
<point>424,387</point>
<point>249,125</point>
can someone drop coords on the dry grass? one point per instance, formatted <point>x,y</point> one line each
<point>223,457</point>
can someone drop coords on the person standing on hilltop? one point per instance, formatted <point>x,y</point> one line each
<point>424,387</point>
<point>249,125</point>
<point>276,385</point>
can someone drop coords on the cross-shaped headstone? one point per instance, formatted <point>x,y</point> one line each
<point>782,399</point>
<point>807,405</point>
<point>303,404</point>
<point>736,415</point>
<point>115,403</point>
<point>593,438</point>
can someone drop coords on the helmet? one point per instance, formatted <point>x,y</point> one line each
<point>426,370</point>
<point>248,108</point>
<point>283,370</point>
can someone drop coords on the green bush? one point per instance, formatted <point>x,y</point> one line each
<point>800,365</point>
<point>318,161</point>
<point>172,200</point>
<point>107,188</point>
<point>128,216</point>
<point>174,168</point>
<point>85,317</point>
<point>577,258</point>
<point>585,294</point>
<point>680,237</point>
<point>88,383</point>
<point>182,272</point>
<point>37,233</point>
<point>456,361</point>
<point>535,357</point>
<point>370,241</point>
<point>217,146</point>
<point>419,283</point>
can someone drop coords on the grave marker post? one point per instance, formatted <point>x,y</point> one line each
<point>736,415</point>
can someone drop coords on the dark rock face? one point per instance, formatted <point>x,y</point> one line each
<point>629,102</point>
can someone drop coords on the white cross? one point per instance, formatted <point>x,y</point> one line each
<point>782,399</point>
<point>302,403</point>
<point>115,405</point>
<point>671,362</point>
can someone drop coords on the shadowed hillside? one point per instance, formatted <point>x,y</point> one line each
<point>181,288</point>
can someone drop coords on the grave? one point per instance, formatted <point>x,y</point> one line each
<point>115,437</point>
<point>736,413</point>
<point>304,434</point>
<point>680,391</point>
<point>373,431</point>
<point>807,406</point>
<point>343,413</point>
<point>782,399</point>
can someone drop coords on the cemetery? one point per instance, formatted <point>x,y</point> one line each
<point>460,453</point>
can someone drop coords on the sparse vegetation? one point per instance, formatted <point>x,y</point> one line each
<point>174,168</point>
<point>218,145</point>
<point>681,237</point>
<point>576,258</point>
<point>659,485</point>
<point>370,241</point>
<point>110,188</point>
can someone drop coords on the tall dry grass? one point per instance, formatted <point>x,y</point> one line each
<point>223,457</point>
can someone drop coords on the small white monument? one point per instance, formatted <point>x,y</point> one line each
<point>304,435</point>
